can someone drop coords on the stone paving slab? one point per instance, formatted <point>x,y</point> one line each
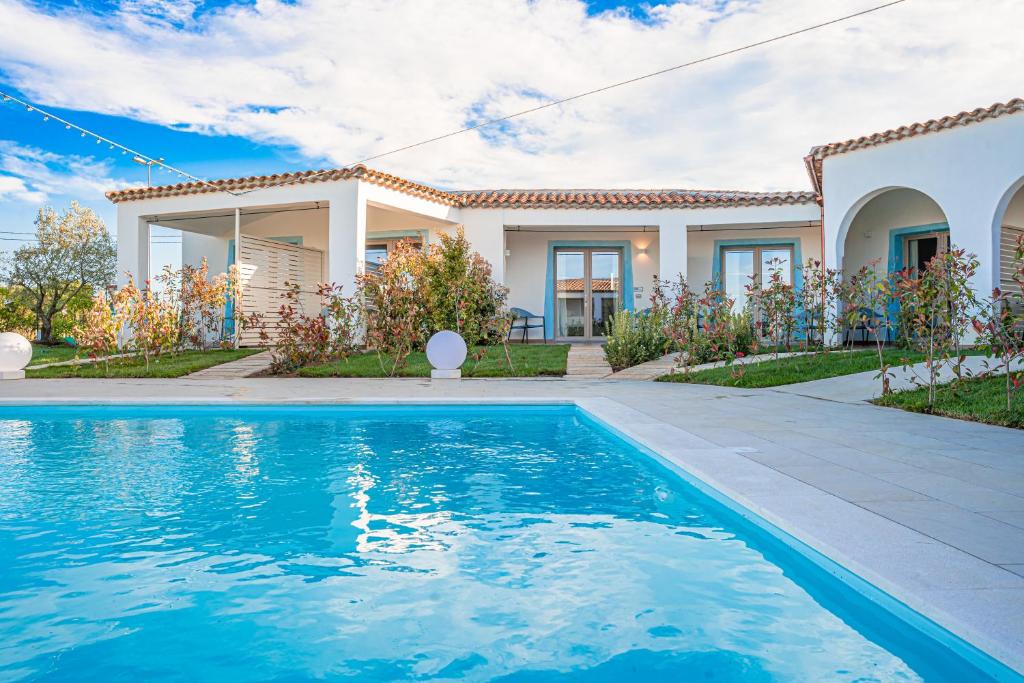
<point>236,369</point>
<point>865,386</point>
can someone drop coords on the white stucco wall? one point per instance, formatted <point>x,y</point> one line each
<point>969,171</point>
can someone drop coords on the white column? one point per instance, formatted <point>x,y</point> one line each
<point>672,247</point>
<point>132,246</point>
<point>346,228</point>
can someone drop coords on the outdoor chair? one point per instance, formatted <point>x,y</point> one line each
<point>522,321</point>
<point>866,319</point>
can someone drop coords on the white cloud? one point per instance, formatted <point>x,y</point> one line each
<point>15,189</point>
<point>345,80</point>
<point>35,175</point>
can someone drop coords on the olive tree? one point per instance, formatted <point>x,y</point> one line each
<point>73,253</point>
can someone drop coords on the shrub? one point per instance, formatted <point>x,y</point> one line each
<point>936,303</point>
<point>393,307</point>
<point>302,338</point>
<point>458,290</point>
<point>97,331</point>
<point>634,338</point>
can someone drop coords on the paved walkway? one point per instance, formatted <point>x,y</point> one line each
<point>866,386</point>
<point>77,361</point>
<point>652,370</point>
<point>587,361</point>
<point>926,508</point>
<point>236,369</point>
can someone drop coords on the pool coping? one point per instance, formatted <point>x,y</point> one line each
<point>868,547</point>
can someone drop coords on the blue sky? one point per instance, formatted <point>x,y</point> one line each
<point>225,89</point>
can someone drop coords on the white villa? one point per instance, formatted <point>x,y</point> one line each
<point>574,255</point>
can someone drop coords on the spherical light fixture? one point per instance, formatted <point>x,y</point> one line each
<point>446,352</point>
<point>15,354</point>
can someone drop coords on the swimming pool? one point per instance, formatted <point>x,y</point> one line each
<point>386,543</point>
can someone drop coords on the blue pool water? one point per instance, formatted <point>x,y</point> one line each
<point>513,544</point>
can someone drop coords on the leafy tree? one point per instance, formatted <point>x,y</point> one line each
<point>73,254</point>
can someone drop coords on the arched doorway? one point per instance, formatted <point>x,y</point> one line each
<point>1009,227</point>
<point>895,229</point>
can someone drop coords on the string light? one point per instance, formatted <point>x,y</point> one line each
<point>85,133</point>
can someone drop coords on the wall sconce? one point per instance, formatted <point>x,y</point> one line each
<point>642,251</point>
<point>508,252</point>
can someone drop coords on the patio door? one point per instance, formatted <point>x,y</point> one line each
<point>921,248</point>
<point>588,291</point>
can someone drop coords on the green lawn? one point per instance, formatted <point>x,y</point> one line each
<point>167,365</point>
<point>774,373</point>
<point>980,400</point>
<point>529,360</point>
<point>42,353</point>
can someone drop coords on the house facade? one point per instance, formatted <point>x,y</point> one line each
<point>576,255</point>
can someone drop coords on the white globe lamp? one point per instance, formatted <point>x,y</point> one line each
<point>15,354</point>
<point>446,352</point>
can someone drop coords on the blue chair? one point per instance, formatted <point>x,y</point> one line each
<point>522,322</point>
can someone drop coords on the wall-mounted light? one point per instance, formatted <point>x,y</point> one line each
<point>508,252</point>
<point>642,251</point>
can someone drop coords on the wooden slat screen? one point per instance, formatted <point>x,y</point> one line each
<point>265,267</point>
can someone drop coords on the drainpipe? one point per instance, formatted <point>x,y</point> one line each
<point>824,285</point>
<point>238,270</point>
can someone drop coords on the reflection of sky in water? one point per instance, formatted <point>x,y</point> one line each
<point>467,546</point>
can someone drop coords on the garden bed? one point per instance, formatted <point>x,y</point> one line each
<point>978,400</point>
<point>528,360</point>
<point>166,365</point>
<point>794,369</point>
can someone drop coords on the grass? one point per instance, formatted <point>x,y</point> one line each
<point>979,400</point>
<point>529,360</point>
<point>44,353</point>
<point>774,373</point>
<point>166,365</point>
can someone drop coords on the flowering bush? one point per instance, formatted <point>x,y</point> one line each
<point>773,307</point>
<point>98,329</point>
<point>152,320</point>
<point>395,313</point>
<point>310,338</point>
<point>869,294</point>
<point>634,338</point>
<point>1000,327</point>
<point>936,303</point>
<point>459,292</point>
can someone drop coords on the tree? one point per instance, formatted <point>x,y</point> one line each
<point>73,254</point>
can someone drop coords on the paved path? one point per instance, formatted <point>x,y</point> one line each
<point>652,370</point>
<point>587,361</point>
<point>77,361</point>
<point>236,369</point>
<point>927,508</point>
<point>865,386</point>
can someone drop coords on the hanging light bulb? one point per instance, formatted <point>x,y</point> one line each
<point>83,134</point>
<point>46,118</point>
<point>28,107</point>
<point>67,126</point>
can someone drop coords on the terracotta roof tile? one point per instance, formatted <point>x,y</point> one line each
<point>301,177</point>
<point>814,160</point>
<point>627,199</point>
<point>512,199</point>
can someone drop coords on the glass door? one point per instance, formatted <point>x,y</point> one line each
<point>919,249</point>
<point>605,289</point>
<point>588,291</point>
<point>570,294</point>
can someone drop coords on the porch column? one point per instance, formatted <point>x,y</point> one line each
<point>346,234</point>
<point>133,244</point>
<point>672,247</point>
